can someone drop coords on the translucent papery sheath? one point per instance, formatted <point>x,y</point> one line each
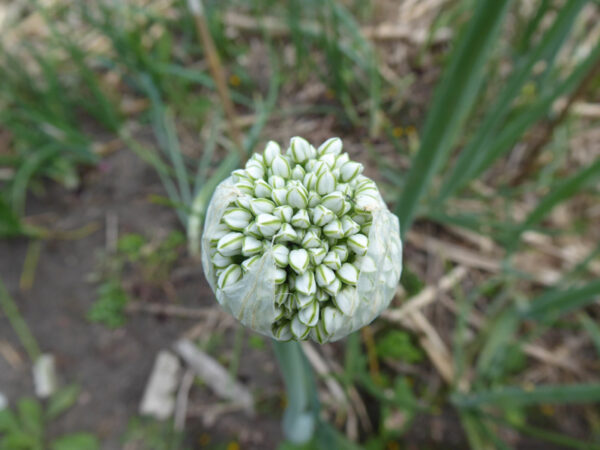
<point>301,271</point>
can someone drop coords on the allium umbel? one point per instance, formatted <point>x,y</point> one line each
<point>300,244</point>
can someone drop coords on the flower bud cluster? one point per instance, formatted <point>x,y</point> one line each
<point>311,210</point>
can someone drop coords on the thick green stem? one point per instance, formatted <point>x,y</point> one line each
<point>301,415</point>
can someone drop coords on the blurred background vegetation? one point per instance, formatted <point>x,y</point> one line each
<point>479,119</point>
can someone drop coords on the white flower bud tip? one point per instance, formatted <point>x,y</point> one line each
<point>281,255</point>
<point>358,243</point>
<point>348,274</point>
<point>230,244</point>
<point>324,275</point>
<point>300,219</point>
<point>231,275</point>
<point>332,145</point>
<point>237,218</point>
<point>268,224</point>
<point>299,149</point>
<point>298,260</point>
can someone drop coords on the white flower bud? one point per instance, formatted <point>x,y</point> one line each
<point>279,196</point>
<point>261,206</point>
<point>281,255</point>
<point>332,145</point>
<point>230,244</point>
<point>255,170</point>
<point>341,160</point>
<point>366,229</point>
<point>231,275</point>
<point>286,233</point>
<point>325,183</point>
<point>243,201</point>
<point>300,219</point>
<point>281,295</point>
<point>303,300</point>
<point>283,332</point>
<point>332,260</point>
<point>349,226</point>
<point>239,175</point>
<point>317,254</point>
<point>334,229</point>
<point>309,315</point>
<point>299,330</point>
<point>245,187</point>
<point>348,274</point>
<point>299,260</point>
<point>252,230</point>
<point>237,218</point>
<point>310,180</point>
<point>334,202</point>
<point>321,295</point>
<point>346,300</point>
<point>310,240</point>
<point>350,170</point>
<point>248,263</point>
<point>321,215</point>
<point>313,199</point>
<point>281,167</point>
<point>328,159</point>
<point>324,275</point>
<point>297,197</point>
<point>344,188</point>
<point>271,151</point>
<point>333,288</point>
<point>366,203</point>
<point>358,243</point>
<point>299,149</point>
<point>305,283</point>
<point>221,261</point>
<point>280,276</point>
<point>298,172</point>
<point>342,251</point>
<point>251,246</point>
<point>284,213</point>
<point>262,189</point>
<point>276,182</point>
<point>268,224</point>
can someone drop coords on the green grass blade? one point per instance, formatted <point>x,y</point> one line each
<point>452,102</point>
<point>555,303</point>
<point>473,154</point>
<point>563,191</point>
<point>544,394</point>
<point>592,328</point>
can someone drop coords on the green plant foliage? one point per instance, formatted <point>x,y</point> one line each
<point>109,308</point>
<point>397,344</point>
<point>25,427</point>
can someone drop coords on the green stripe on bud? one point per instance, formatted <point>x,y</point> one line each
<point>245,187</point>
<point>299,149</point>
<point>284,212</point>
<point>349,226</point>
<point>321,215</point>
<point>261,206</point>
<point>281,255</point>
<point>252,230</point>
<point>281,167</point>
<point>317,254</point>
<point>230,244</point>
<point>332,145</point>
<point>231,275</point>
<point>220,261</point>
<point>325,183</point>
<point>348,274</point>
<point>332,319</point>
<point>276,182</point>
<point>334,229</point>
<point>279,276</point>
<point>300,219</point>
<point>310,240</point>
<point>248,263</point>
<point>297,197</point>
<point>324,275</point>
<point>333,288</point>
<point>237,218</point>
<point>305,283</point>
<point>283,332</point>
<point>272,150</point>
<point>332,260</point>
<point>309,315</point>
<point>342,251</point>
<point>262,189</point>
<point>298,172</point>
<point>279,196</point>
<point>350,170</point>
<point>251,246</point>
<point>286,234</point>
<point>268,224</point>
<point>298,260</point>
<point>358,243</point>
<point>313,199</point>
<point>255,170</point>
<point>299,330</point>
<point>334,202</point>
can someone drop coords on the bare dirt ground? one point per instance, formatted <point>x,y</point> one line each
<point>112,366</point>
